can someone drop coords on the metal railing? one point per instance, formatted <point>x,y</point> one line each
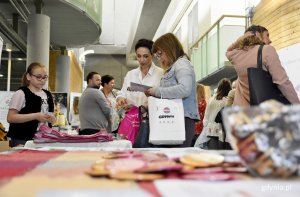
<point>208,52</point>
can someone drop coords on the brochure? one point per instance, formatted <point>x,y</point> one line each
<point>138,87</point>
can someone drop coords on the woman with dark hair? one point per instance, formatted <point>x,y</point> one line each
<point>108,83</point>
<point>212,132</point>
<point>178,81</point>
<point>146,74</point>
<point>243,55</point>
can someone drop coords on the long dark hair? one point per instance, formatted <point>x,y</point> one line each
<point>224,86</point>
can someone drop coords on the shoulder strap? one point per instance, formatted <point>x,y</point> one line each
<point>259,56</point>
<point>114,93</point>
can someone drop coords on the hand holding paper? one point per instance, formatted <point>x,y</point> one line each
<point>138,87</point>
<point>150,92</point>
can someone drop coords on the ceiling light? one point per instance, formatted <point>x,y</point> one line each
<point>8,47</point>
<point>82,56</point>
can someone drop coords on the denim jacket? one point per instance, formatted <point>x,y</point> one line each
<point>179,83</point>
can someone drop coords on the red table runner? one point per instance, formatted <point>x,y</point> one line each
<point>21,161</point>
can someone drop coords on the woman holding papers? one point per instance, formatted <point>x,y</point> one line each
<point>147,74</point>
<point>178,81</point>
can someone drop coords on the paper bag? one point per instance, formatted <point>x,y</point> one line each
<point>166,121</point>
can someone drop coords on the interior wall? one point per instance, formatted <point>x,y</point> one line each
<point>114,65</point>
<point>76,77</point>
<point>281,18</point>
<point>208,13</point>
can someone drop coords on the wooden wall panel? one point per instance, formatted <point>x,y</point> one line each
<point>75,72</point>
<point>282,19</point>
<point>76,78</point>
<point>52,69</point>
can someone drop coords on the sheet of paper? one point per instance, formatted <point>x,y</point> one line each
<point>5,98</point>
<point>138,87</point>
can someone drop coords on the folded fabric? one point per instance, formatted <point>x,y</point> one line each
<point>48,135</point>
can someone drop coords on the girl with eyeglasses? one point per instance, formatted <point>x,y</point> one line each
<point>30,106</point>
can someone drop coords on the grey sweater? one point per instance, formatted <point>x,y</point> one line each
<point>94,111</point>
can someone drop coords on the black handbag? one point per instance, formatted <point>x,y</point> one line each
<point>142,137</point>
<point>261,86</point>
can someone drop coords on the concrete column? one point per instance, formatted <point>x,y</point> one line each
<point>38,40</point>
<point>62,81</point>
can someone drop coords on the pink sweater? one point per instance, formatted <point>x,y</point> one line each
<point>243,59</point>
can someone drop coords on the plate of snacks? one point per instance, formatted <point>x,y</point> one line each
<point>202,159</point>
<point>267,137</point>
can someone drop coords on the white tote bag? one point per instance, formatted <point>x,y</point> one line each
<point>166,121</point>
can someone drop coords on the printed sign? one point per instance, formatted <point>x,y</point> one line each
<point>5,98</point>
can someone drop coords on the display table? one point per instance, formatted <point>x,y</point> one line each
<point>116,144</point>
<point>63,173</point>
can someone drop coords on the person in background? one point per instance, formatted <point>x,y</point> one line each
<point>230,97</point>
<point>202,92</point>
<point>30,106</point>
<point>219,118</point>
<point>59,113</point>
<point>74,114</point>
<point>243,55</point>
<point>146,74</point>
<point>108,83</point>
<point>95,113</point>
<point>212,132</point>
<point>178,81</point>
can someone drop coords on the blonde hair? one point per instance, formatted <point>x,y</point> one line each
<point>207,93</point>
<point>31,67</point>
<point>253,40</point>
<point>200,91</point>
<point>203,91</point>
<point>170,45</point>
<point>250,41</point>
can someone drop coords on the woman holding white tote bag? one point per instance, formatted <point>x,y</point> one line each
<point>178,81</point>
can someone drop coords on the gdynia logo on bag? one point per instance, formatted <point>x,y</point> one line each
<point>166,110</point>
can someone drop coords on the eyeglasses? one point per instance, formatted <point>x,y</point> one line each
<point>158,54</point>
<point>40,77</point>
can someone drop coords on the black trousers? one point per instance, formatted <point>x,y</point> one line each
<point>16,142</point>
<point>88,131</point>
